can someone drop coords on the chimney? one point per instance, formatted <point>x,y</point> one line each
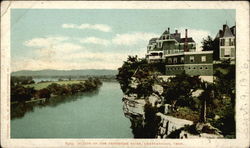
<point>168,30</point>
<point>186,41</point>
<point>186,34</point>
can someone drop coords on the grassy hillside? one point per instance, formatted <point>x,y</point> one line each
<point>84,72</point>
<point>42,85</point>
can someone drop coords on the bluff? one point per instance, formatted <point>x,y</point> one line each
<point>150,117</point>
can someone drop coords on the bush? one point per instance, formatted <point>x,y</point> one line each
<point>21,94</point>
<point>44,93</point>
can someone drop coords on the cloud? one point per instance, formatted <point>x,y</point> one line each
<point>65,53</point>
<point>44,42</point>
<point>127,39</point>
<point>50,48</point>
<point>99,27</point>
<point>196,34</point>
<point>132,38</point>
<point>38,64</point>
<point>95,40</point>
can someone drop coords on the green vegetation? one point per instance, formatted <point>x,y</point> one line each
<point>142,71</point>
<point>22,93</point>
<point>38,86</point>
<point>25,97</point>
<point>178,90</point>
<point>21,80</point>
<point>215,102</point>
<point>207,44</point>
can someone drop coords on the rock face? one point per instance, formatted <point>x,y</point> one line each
<point>133,107</point>
<point>167,126</point>
<point>199,130</point>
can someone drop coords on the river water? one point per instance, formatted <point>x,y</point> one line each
<point>97,114</point>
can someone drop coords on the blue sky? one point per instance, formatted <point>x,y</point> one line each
<point>99,38</point>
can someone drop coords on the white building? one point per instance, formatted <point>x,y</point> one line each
<point>227,43</point>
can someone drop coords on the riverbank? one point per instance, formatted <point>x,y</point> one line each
<point>96,114</point>
<point>44,84</point>
<point>24,97</point>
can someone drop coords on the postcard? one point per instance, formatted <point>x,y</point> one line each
<point>124,74</point>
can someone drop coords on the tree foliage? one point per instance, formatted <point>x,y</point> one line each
<point>127,70</point>
<point>207,44</point>
<point>178,90</point>
<point>21,94</point>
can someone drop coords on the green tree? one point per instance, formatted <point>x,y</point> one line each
<point>127,70</point>
<point>207,44</point>
<point>21,94</point>
<point>178,90</point>
<point>44,93</point>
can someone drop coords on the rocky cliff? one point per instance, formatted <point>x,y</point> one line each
<point>154,122</point>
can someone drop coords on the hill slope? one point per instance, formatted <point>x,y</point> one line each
<point>50,72</point>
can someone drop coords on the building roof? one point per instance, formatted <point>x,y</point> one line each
<point>153,40</point>
<point>227,32</point>
<point>188,40</point>
<point>233,30</point>
<point>165,32</point>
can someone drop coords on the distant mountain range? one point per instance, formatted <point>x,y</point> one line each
<point>51,72</point>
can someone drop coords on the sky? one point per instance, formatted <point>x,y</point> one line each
<point>66,39</point>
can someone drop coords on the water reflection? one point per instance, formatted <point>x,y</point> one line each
<point>19,110</point>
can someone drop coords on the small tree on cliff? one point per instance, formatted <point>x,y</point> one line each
<point>127,70</point>
<point>178,90</point>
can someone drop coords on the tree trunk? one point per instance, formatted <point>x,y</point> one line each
<point>203,115</point>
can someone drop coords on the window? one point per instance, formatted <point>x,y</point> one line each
<point>232,52</point>
<point>191,58</point>
<point>222,42</point>
<point>169,60</point>
<point>222,52</point>
<point>175,60</point>
<point>226,42</point>
<point>182,59</point>
<point>231,42</point>
<point>200,67</point>
<point>227,52</point>
<point>203,58</point>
